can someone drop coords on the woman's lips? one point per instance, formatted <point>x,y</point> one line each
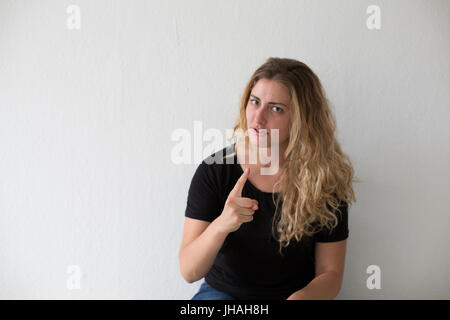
<point>260,133</point>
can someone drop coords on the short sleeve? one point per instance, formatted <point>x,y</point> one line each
<point>340,232</point>
<point>202,200</point>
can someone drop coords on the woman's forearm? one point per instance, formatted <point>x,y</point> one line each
<point>325,286</point>
<point>197,258</point>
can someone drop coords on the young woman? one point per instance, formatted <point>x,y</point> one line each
<point>282,235</point>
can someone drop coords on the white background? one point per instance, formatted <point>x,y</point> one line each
<point>86,117</point>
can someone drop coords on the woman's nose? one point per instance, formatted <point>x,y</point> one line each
<point>260,116</point>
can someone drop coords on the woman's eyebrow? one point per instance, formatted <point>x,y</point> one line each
<point>252,95</point>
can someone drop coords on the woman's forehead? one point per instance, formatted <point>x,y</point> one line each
<point>271,90</point>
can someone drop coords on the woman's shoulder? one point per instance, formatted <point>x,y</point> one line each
<point>218,165</point>
<point>226,155</point>
<point>215,172</point>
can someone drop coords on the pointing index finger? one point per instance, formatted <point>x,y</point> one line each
<point>237,190</point>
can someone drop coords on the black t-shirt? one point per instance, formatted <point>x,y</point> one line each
<point>248,265</point>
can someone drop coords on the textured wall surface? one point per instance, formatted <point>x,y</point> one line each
<point>91,203</point>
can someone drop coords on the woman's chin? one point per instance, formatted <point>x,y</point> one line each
<point>259,143</point>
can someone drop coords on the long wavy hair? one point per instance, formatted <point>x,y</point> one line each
<point>317,176</point>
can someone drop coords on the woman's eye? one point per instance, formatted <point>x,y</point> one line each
<point>280,110</point>
<point>277,109</point>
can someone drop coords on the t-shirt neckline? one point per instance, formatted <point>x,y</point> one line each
<point>248,181</point>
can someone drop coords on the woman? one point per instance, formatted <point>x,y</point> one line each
<point>282,235</point>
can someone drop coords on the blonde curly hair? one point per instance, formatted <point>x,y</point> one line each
<point>317,176</point>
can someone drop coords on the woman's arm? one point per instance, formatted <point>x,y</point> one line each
<point>202,240</point>
<point>330,262</point>
<point>201,243</point>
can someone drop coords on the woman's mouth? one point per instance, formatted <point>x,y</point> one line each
<point>259,132</point>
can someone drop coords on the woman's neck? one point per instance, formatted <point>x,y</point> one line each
<point>262,157</point>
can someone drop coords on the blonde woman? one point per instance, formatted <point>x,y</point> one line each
<point>282,235</point>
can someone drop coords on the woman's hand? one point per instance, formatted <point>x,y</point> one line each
<point>237,210</point>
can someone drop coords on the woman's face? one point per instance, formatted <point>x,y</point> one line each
<point>268,109</point>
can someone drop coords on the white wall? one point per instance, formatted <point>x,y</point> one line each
<point>86,117</point>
